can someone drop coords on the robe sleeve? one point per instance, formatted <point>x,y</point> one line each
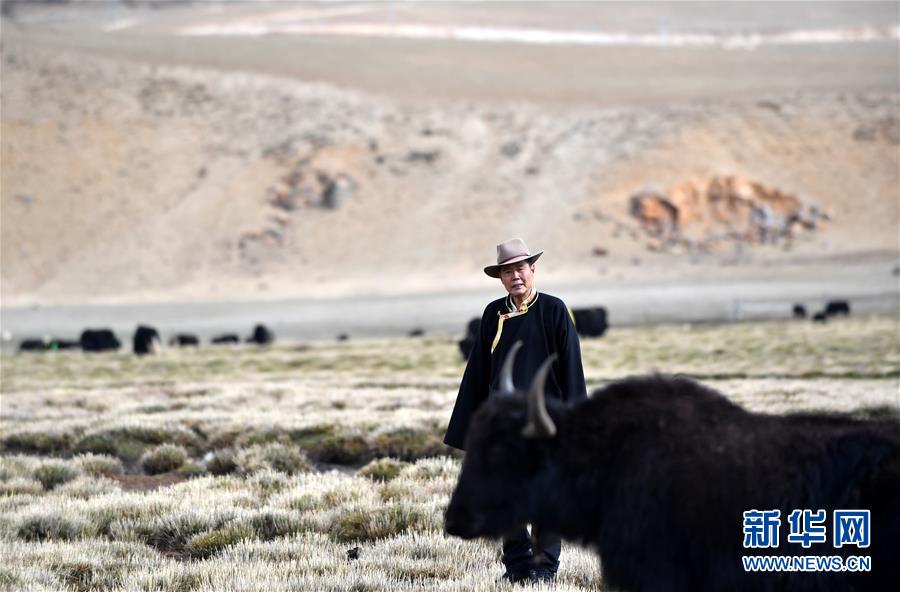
<point>571,371</point>
<point>475,385</point>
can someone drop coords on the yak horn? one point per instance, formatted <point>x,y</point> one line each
<point>539,423</point>
<point>507,387</point>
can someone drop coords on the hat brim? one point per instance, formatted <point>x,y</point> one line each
<point>494,270</point>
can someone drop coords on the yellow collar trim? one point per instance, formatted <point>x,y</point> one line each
<point>522,310</point>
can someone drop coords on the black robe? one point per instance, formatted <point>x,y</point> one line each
<point>546,329</point>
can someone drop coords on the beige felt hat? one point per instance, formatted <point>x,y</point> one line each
<point>511,251</point>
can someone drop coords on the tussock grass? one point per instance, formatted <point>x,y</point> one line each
<point>163,459</point>
<point>272,524</point>
<point>53,473</point>
<point>408,444</point>
<point>283,458</point>
<point>382,469</point>
<point>52,526</point>
<point>99,465</point>
<point>363,523</point>
<point>207,544</point>
<point>83,576</point>
<point>20,486</point>
<point>222,462</point>
<point>38,442</point>
<point>131,441</point>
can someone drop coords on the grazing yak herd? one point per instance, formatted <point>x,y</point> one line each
<point>589,322</point>
<point>655,474</point>
<point>592,322</point>
<point>146,340</point>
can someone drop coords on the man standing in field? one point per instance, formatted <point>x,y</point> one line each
<point>543,325</point>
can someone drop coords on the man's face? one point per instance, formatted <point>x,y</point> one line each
<point>517,278</point>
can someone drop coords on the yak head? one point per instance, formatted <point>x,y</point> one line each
<point>511,458</point>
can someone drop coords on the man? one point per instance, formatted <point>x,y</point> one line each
<point>543,325</point>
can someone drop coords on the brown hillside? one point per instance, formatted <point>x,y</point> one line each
<point>128,181</point>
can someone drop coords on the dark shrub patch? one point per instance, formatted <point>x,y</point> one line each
<point>207,544</point>
<point>340,449</point>
<point>222,463</point>
<point>82,576</point>
<point>48,527</point>
<point>46,443</point>
<point>360,524</point>
<point>54,473</point>
<point>382,469</point>
<point>408,444</point>
<point>163,459</point>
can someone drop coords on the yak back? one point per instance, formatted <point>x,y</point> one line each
<point>664,467</point>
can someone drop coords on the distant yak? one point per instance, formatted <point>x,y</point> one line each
<point>34,345</point>
<point>656,472</point>
<point>468,341</point>
<point>225,339</point>
<point>590,322</point>
<point>99,340</point>
<point>48,344</point>
<point>184,340</point>
<point>262,335</point>
<point>834,308</point>
<point>146,341</point>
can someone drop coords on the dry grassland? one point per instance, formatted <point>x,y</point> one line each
<point>257,469</point>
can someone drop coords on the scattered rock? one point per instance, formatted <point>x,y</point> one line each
<point>865,133</point>
<point>424,156</point>
<point>510,149</point>
<point>336,190</point>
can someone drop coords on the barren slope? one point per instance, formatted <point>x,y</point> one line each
<point>131,181</point>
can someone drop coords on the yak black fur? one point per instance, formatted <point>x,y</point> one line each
<point>655,473</point>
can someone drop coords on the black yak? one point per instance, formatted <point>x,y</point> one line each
<point>468,342</point>
<point>48,344</point>
<point>34,345</point>
<point>590,322</point>
<point>184,340</point>
<point>834,308</point>
<point>146,341</point>
<point>656,472</point>
<point>225,339</point>
<point>262,335</point>
<point>98,340</point>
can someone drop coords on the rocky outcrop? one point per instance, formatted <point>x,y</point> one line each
<point>704,214</point>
